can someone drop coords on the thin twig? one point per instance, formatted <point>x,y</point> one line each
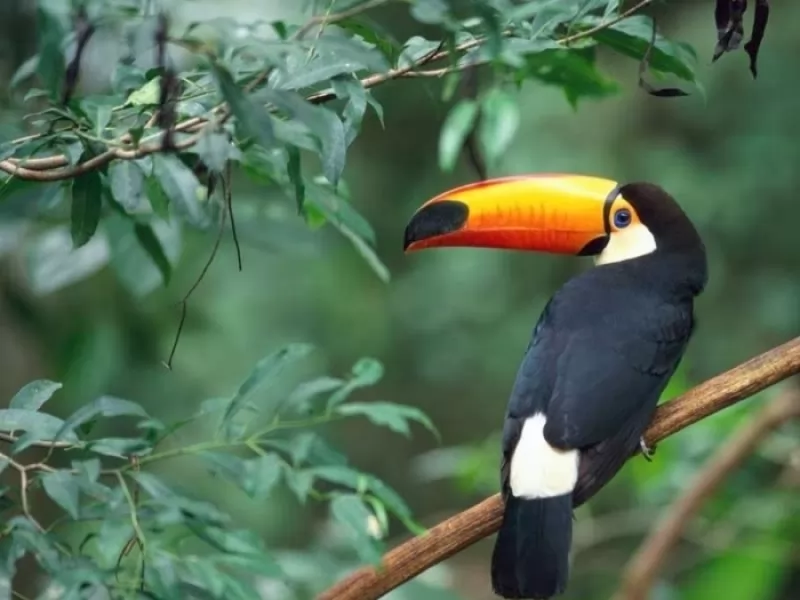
<point>464,529</point>
<point>226,187</point>
<point>185,300</point>
<point>12,439</point>
<point>330,19</point>
<point>22,470</point>
<point>643,568</point>
<point>137,528</point>
<point>566,41</point>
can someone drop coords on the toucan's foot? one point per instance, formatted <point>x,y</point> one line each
<point>647,452</point>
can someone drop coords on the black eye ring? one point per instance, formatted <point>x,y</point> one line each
<point>622,218</point>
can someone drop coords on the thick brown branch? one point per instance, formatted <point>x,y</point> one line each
<point>648,560</point>
<point>456,533</point>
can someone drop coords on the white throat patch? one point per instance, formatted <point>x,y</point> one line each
<point>628,243</point>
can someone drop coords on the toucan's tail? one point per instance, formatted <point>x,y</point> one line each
<point>531,553</point>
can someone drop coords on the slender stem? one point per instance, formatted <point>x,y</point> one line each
<point>137,528</point>
<point>248,442</point>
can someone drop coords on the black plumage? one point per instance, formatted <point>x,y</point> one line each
<point>601,354</point>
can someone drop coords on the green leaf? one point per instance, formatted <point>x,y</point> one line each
<point>322,123</point>
<point>157,197</point>
<point>27,538</point>
<point>332,46</point>
<point>301,397</point>
<point>103,117</point>
<point>104,406</point>
<point>352,512</point>
<point>333,56</point>
<point>164,496</point>
<point>368,253</point>
<point>632,37</point>
<point>252,120</point>
<point>215,149</point>
<point>51,64</point>
<point>147,95</point>
<point>87,205</point>
<point>372,33</point>
<point>152,245</point>
<point>353,113</point>
<point>300,482</point>
<point>337,210</point>
<point>25,70</point>
<point>64,489</point>
<point>133,265</point>
<point>499,122</point>
<point>114,534</point>
<point>366,372</point>
<point>240,548</point>
<point>430,12</point>
<point>457,126</point>
<point>34,394</point>
<point>363,482</point>
<point>42,425</point>
<point>416,48</point>
<point>310,448</point>
<point>265,370</point>
<point>295,135</point>
<point>126,180</point>
<point>181,187</point>
<point>334,150</point>
<point>574,71</point>
<point>120,447</point>
<point>386,414</point>
<point>256,477</point>
<point>546,14</point>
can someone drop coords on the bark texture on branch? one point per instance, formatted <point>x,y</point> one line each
<point>464,529</point>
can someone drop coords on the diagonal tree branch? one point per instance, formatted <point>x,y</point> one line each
<point>644,567</point>
<point>464,529</point>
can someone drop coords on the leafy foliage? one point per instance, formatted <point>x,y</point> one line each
<point>281,103</point>
<point>138,531</point>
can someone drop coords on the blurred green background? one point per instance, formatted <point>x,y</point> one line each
<point>451,325</point>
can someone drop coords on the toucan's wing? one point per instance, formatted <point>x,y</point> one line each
<point>608,373</point>
<point>608,388</point>
<point>599,463</point>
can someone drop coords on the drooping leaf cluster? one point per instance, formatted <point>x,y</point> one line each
<point>729,17</point>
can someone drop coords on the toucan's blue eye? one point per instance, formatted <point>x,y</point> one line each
<point>622,218</point>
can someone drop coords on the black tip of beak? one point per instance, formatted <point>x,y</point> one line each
<point>444,216</point>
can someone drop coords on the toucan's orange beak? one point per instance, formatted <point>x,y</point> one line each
<point>563,214</point>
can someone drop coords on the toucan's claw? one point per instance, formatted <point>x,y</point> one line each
<point>647,452</point>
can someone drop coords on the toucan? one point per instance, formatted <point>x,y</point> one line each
<point>601,353</point>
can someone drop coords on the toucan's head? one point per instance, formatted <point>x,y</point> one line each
<point>557,213</point>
